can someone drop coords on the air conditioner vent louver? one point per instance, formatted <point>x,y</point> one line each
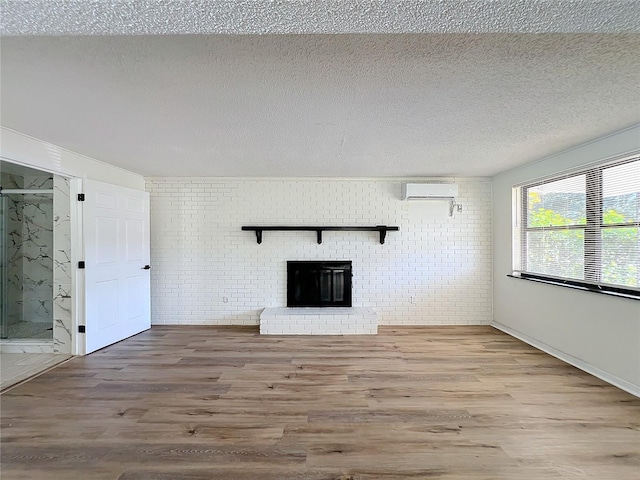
<point>429,191</point>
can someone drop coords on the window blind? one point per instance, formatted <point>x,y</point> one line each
<point>583,226</point>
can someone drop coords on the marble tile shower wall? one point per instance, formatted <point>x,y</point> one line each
<point>14,248</point>
<point>37,251</point>
<point>61,265</point>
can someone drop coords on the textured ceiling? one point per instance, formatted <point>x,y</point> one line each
<point>153,17</point>
<point>320,105</point>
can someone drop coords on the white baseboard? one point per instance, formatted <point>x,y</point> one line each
<point>571,360</point>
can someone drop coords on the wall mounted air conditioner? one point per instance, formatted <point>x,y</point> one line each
<point>432,191</point>
<point>429,191</point>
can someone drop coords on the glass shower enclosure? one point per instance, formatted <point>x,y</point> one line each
<point>26,253</point>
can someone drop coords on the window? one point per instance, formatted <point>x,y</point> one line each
<point>582,228</point>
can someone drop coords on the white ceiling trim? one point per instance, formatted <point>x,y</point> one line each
<point>167,17</point>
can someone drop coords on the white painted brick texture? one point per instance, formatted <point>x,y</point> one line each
<point>314,321</point>
<point>207,271</point>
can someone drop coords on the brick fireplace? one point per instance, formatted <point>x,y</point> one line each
<point>318,303</point>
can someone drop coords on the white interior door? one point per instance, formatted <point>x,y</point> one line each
<point>116,253</point>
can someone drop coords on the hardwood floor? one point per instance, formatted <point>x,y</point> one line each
<point>196,403</point>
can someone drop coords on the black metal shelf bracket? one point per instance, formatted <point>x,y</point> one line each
<point>382,229</point>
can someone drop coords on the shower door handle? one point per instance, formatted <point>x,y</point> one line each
<point>146,267</point>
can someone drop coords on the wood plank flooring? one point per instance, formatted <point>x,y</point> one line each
<point>196,403</point>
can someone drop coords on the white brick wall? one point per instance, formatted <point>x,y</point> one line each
<point>435,270</point>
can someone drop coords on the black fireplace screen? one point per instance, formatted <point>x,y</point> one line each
<point>318,284</point>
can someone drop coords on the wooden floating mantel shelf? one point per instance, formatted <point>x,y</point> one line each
<point>383,229</point>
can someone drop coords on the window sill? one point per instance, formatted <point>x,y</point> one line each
<point>629,295</point>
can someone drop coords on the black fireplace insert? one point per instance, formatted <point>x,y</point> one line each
<point>319,284</point>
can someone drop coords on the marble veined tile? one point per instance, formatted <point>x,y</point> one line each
<point>42,346</point>
<point>40,182</point>
<point>9,180</point>
<point>62,319</point>
<point>37,310</point>
<point>61,265</point>
<point>61,231</point>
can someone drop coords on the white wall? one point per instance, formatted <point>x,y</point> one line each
<point>25,150</point>
<point>435,270</point>
<point>598,333</point>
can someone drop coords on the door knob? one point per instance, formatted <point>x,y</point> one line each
<point>146,267</point>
